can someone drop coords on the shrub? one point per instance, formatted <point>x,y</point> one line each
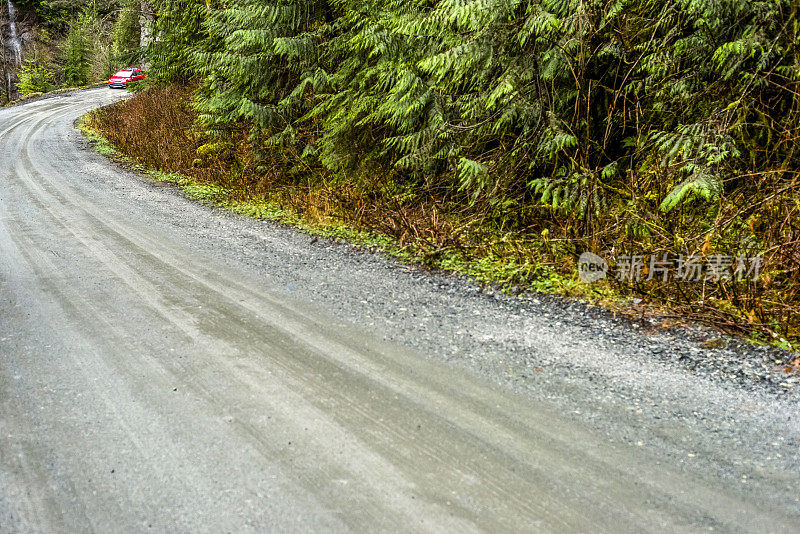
<point>34,78</point>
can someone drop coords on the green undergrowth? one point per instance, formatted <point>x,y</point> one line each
<point>98,142</point>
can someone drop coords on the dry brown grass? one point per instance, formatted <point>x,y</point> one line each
<point>157,128</point>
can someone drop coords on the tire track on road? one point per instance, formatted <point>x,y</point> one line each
<point>514,464</point>
<point>146,247</point>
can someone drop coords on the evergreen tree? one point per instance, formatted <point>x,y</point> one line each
<point>577,106</point>
<point>125,49</point>
<point>178,33</point>
<point>253,61</point>
<point>77,51</point>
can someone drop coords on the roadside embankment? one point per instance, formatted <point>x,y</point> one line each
<point>424,224</point>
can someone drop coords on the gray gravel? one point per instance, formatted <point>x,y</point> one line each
<point>630,380</point>
<point>721,419</point>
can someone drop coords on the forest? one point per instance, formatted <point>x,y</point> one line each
<point>501,138</point>
<point>50,44</point>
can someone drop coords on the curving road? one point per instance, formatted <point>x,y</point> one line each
<point>167,366</point>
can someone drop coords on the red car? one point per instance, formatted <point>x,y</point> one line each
<point>125,76</point>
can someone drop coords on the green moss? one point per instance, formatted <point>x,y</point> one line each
<point>97,141</point>
<point>220,150</point>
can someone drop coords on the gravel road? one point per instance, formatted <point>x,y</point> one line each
<point>166,365</point>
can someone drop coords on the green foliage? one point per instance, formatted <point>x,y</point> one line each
<point>73,38</point>
<point>77,50</point>
<point>125,49</point>
<point>55,15</point>
<point>557,100</point>
<point>34,78</point>
<point>701,184</point>
<point>616,123</point>
<point>178,32</point>
<point>257,63</point>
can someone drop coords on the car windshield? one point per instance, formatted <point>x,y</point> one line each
<point>123,73</point>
